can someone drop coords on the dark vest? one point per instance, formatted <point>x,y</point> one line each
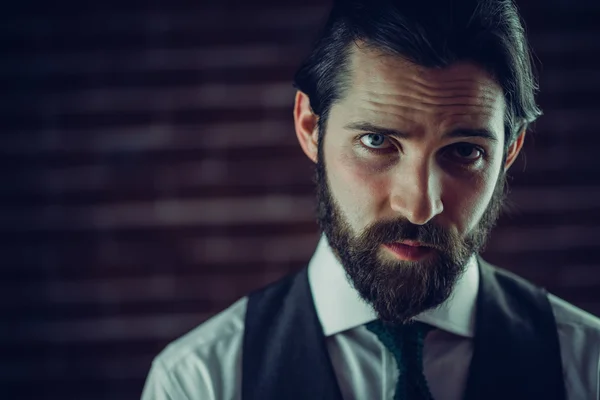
<point>516,349</point>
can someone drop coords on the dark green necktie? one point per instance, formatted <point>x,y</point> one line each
<point>406,344</point>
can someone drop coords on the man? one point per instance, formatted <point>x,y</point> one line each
<point>412,111</point>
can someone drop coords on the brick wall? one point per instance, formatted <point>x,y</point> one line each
<point>151,176</point>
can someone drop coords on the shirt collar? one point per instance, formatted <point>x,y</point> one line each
<point>339,306</point>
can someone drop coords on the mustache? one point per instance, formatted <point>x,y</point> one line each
<point>430,234</point>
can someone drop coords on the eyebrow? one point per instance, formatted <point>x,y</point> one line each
<point>457,133</point>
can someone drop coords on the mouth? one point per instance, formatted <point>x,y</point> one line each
<point>409,250</point>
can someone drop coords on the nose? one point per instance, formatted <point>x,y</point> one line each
<point>416,193</point>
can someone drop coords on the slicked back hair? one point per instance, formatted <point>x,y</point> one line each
<point>430,33</point>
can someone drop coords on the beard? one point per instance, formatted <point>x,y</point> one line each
<point>400,290</point>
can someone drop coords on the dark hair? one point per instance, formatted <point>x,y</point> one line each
<point>431,33</point>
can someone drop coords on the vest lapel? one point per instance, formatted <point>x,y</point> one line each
<point>516,349</point>
<point>284,351</point>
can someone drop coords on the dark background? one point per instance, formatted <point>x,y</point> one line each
<point>150,176</point>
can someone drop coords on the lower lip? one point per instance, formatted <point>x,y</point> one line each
<point>408,253</point>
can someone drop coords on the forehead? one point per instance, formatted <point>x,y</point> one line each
<point>389,90</point>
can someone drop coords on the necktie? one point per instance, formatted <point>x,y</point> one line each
<point>405,342</point>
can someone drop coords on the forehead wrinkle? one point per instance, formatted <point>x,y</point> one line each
<point>427,78</point>
<point>484,97</point>
<point>430,84</point>
<point>482,93</point>
<point>448,83</point>
<point>467,109</point>
<point>447,94</point>
<point>472,84</point>
<point>445,101</point>
<point>377,110</point>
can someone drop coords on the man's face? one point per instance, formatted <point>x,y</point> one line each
<point>410,177</point>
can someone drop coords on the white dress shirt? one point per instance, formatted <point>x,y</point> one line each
<point>205,364</point>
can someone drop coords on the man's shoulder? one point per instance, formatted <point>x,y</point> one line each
<point>221,336</point>
<point>579,337</point>
<point>565,313</point>
<point>209,340</point>
<point>569,316</point>
<point>203,363</point>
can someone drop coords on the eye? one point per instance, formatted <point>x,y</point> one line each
<point>466,152</point>
<point>374,141</point>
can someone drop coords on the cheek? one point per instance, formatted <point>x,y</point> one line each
<point>468,201</point>
<point>466,198</point>
<point>358,190</point>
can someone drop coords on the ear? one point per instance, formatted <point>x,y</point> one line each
<point>514,149</point>
<point>305,122</point>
